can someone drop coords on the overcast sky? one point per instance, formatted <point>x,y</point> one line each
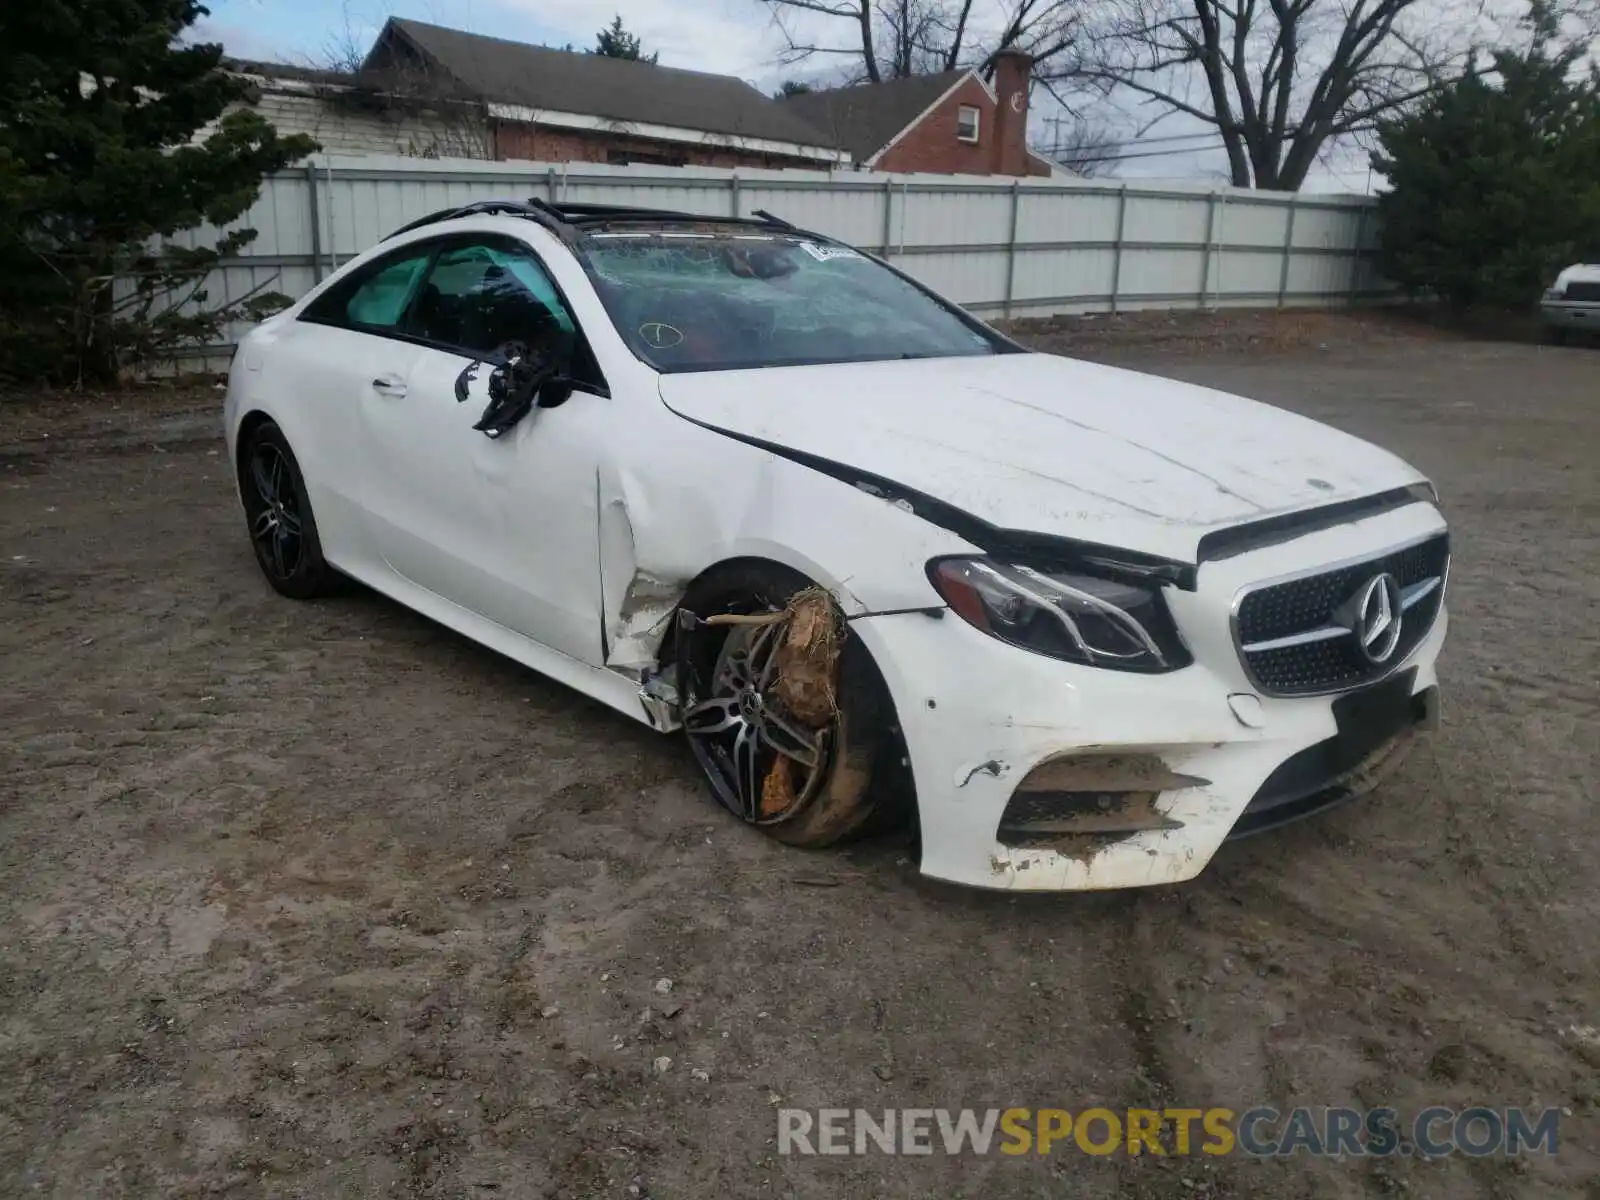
<point>733,37</point>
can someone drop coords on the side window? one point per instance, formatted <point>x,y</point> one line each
<point>481,295</point>
<point>381,300</point>
<point>967,118</point>
<point>377,298</point>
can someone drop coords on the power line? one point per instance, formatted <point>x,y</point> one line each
<point>1098,144</point>
<point>1071,155</point>
<point>1092,150</point>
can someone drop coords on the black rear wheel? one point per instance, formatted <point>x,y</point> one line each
<point>283,530</point>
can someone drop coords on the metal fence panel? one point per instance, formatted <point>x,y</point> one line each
<point>1030,247</point>
<point>1164,277</point>
<point>977,275</point>
<point>1167,219</point>
<point>1326,228</point>
<point>1255,225</point>
<point>1041,274</point>
<point>1086,216</point>
<point>1247,273</point>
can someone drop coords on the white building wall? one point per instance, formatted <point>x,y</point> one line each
<point>346,130</point>
<point>350,127</point>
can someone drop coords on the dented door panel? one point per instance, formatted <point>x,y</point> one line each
<point>502,526</point>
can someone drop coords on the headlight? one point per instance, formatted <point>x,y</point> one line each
<point>1081,618</point>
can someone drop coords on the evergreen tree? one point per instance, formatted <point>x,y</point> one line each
<point>616,42</point>
<point>100,104</point>
<point>1495,180</point>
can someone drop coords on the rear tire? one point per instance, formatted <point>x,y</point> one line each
<point>1555,335</point>
<point>845,799</point>
<point>277,509</point>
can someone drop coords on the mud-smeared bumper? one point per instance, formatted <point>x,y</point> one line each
<point>1196,746</point>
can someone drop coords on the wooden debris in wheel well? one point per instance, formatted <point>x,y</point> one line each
<point>771,618</point>
<point>777,789</point>
<point>807,682</point>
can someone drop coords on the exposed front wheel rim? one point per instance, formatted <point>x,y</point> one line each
<point>741,728</point>
<point>277,521</point>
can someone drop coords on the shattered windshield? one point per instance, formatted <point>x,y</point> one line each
<point>717,300</point>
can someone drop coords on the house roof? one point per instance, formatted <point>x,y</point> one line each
<point>865,118</point>
<point>616,89</point>
<point>289,71</point>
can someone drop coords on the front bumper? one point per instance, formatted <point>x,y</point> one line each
<point>979,717</point>
<point>1571,314</point>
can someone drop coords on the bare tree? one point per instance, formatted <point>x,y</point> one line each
<point>429,115</point>
<point>341,53</point>
<point>1081,145</point>
<point>909,30</point>
<point>1278,80</point>
<point>1579,23</point>
<point>1049,30</point>
<point>891,39</point>
<point>345,49</point>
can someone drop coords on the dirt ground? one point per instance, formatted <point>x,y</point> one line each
<point>322,900</point>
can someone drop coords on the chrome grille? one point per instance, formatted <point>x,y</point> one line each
<point>1296,636</point>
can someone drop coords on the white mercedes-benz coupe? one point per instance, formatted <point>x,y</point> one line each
<point>875,560</point>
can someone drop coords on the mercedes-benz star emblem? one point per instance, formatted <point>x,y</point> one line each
<point>1378,617</point>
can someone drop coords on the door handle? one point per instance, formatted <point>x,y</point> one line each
<point>389,385</point>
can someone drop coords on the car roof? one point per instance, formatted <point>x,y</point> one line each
<point>569,221</point>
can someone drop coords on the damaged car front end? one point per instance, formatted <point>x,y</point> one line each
<point>1120,663</point>
<point>874,559</point>
<point>1040,774</point>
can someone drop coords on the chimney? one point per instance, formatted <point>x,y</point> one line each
<point>1012,68</point>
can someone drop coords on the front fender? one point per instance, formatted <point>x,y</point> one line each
<point>657,535</point>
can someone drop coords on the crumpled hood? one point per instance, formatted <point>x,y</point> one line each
<point>1050,445</point>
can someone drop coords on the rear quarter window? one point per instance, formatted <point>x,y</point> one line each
<point>374,298</point>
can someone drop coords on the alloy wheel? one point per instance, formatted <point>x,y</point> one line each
<point>276,523</point>
<point>741,729</point>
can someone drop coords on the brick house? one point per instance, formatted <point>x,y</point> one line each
<point>547,105</point>
<point>431,92</point>
<point>953,123</point>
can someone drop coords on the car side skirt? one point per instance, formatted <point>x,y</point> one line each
<point>610,688</point>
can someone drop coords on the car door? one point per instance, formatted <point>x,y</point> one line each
<point>505,526</point>
<point>324,365</point>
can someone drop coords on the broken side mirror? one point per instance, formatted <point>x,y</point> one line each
<point>556,390</point>
<point>523,376</point>
<point>557,347</point>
